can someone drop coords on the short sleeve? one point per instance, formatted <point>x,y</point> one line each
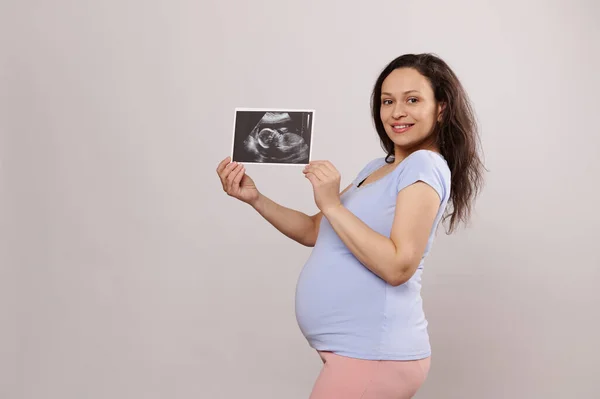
<point>428,167</point>
<point>367,170</point>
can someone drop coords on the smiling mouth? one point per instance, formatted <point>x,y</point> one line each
<point>401,128</point>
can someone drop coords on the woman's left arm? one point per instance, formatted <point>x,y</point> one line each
<point>394,259</point>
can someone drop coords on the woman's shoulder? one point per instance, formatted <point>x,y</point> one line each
<point>427,166</point>
<point>426,159</point>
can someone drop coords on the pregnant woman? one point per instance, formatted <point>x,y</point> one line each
<point>358,298</point>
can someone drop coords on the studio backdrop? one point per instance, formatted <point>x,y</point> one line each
<point>127,272</point>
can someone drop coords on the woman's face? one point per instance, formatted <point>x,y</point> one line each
<point>409,110</point>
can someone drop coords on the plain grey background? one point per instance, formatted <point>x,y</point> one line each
<point>126,272</point>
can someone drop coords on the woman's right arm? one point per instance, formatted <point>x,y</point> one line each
<point>296,225</point>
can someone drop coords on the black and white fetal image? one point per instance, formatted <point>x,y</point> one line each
<point>272,136</point>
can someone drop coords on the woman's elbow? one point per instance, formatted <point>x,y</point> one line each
<point>308,240</point>
<point>396,280</point>
<point>401,273</point>
<point>307,243</point>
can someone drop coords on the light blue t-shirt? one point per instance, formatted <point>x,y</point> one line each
<point>343,307</point>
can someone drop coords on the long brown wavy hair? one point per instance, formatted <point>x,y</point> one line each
<point>456,134</point>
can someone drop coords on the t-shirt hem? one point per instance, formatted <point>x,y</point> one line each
<point>385,356</point>
<point>379,356</point>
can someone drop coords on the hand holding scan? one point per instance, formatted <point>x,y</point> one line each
<point>236,183</point>
<point>325,180</point>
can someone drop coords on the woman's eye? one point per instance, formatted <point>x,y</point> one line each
<point>412,100</point>
<point>386,102</point>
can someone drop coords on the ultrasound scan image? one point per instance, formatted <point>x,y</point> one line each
<point>272,136</point>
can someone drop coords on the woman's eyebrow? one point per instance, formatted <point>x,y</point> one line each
<point>385,93</point>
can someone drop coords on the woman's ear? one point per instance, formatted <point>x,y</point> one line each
<point>441,108</point>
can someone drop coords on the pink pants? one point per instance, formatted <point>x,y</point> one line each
<point>348,378</point>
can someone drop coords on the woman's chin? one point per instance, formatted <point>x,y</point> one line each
<point>401,141</point>
<point>408,142</point>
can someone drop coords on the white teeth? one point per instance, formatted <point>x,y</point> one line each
<point>401,126</point>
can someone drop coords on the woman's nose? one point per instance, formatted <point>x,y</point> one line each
<point>398,112</point>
